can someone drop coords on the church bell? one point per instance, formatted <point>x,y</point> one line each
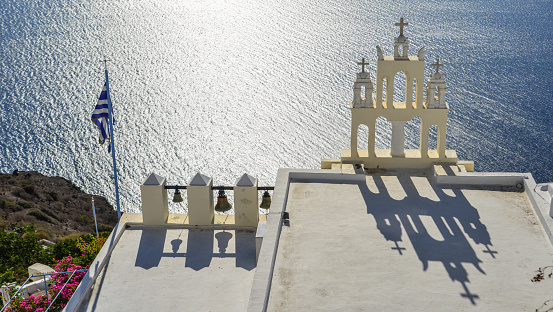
<point>177,198</point>
<point>265,200</point>
<point>222,202</point>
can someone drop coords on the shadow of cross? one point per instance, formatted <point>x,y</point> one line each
<point>468,295</point>
<point>399,249</point>
<point>491,252</point>
<point>452,216</point>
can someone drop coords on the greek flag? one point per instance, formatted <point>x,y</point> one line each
<point>100,117</point>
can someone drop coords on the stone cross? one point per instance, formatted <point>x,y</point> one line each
<point>437,64</point>
<point>363,63</point>
<point>401,24</point>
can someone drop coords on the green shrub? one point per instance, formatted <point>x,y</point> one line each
<point>49,212</point>
<point>26,205</point>
<point>51,196</point>
<point>12,206</point>
<point>21,229</point>
<point>64,248</point>
<point>20,250</point>
<point>7,276</point>
<point>104,228</point>
<point>16,191</point>
<point>29,189</point>
<point>39,215</point>
<point>85,220</point>
<point>21,193</point>
<point>59,206</point>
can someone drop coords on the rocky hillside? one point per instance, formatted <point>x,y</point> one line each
<point>54,204</point>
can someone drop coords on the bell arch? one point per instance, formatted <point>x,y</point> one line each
<point>384,127</point>
<point>384,83</point>
<point>412,133</point>
<point>363,137</point>
<point>432,137</point>
<point>414,92</point>
<point>400,86</point>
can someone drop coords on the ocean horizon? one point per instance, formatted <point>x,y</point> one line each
<point>228,87</point>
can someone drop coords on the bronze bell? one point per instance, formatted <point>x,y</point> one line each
<point>222,202</point>
<point>177,198</point>
<point>266,200</point>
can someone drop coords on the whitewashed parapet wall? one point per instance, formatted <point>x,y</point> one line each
<point>201,212</point>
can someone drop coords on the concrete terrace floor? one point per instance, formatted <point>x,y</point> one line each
<point>402,243</point>
<point>171,269</point>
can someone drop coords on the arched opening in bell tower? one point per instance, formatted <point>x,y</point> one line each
<point>412,133</point>
<point>414,94</point>
<point>433,137</point>
<point>384,89</point>
<point>362,137</point>
<point>384,129</point>
<point>399,86</point>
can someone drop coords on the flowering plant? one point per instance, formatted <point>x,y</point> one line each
<point>57,282</point>
<point>89,247</point>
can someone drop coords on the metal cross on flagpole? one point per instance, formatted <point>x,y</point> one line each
<point>110,112</point>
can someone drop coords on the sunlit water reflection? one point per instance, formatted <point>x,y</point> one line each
<point>227,87</point>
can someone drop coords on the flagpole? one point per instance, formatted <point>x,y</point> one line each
<point>110,113</point>
<point>95,222</point>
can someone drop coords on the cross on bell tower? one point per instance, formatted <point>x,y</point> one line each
<point>436,88</point>
<point>401,24</point>
<point>401,42</point>
<point>363,63</point>
<point>437,64</point>
<point>363,88</point>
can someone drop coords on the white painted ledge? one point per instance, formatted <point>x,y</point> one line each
<point>95,268</point>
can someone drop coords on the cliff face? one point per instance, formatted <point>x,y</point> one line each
<point>56,206</point>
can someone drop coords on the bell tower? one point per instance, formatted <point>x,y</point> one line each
<point>436,88</point>
<point>363,81</point>
<point>366,109</point>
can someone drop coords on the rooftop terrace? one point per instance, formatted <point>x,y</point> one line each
<point>400,241</point>
<point>175,269</point>
<point>375,239</point>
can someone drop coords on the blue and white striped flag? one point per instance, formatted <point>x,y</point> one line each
<point>100,117</point>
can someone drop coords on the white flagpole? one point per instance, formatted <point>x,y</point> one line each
<point>110,112</point>
<point>95,223</point>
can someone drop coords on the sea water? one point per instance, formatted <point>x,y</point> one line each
<point>226,87</point>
